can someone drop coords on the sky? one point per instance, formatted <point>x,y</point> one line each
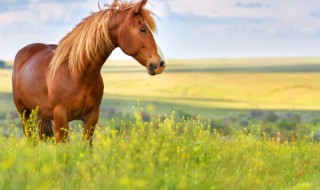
<point>187,29</point>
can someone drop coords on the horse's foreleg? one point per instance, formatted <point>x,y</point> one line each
<point>61,125</point>
<point>89,124</point>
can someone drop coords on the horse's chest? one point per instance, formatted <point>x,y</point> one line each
<point>82,106</point>
<point>84,103</point>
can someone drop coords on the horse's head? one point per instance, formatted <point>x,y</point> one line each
<point>135,38</point>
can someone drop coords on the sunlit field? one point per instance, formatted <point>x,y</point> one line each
<point>245,84</point>
<point>290,84</point>
<point>164,154</point>
<point>203,124</point>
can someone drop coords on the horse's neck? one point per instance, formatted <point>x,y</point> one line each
<point>95,68</point>
<point>112,26</point>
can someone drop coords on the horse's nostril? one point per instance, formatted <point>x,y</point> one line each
<point>152,66</point>
<point>162,64</point>
<point>151,69</point>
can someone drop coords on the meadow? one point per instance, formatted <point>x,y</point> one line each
<point>164,154</point>
<point>203,124</point>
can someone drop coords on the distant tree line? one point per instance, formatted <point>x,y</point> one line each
<point>2,64</point>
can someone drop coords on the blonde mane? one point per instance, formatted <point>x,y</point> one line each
<point>90,39</point>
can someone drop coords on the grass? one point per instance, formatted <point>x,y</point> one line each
<point>262,133</point>
<point>163,154</point>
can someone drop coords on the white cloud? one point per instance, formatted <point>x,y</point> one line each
<point>251,8</point>
<point>37,21</point>
<point>278,17</point>
<point>40,13</point>
<point>161,9</point>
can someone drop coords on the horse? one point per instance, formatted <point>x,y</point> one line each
<point>64,81</point>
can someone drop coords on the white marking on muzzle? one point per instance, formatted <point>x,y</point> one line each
<point>158,48</point>
<point>160,53</point>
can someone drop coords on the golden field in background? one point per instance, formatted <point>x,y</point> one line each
<point>282,83</point>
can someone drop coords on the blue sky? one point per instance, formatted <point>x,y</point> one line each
<point>186,28</point>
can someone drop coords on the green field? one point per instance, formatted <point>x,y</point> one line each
<point>237,124</point>
<point>163,154</point>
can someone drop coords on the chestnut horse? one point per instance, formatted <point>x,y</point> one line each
<point>64,81</point>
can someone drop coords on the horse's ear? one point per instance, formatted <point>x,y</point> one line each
<point>137,7</point>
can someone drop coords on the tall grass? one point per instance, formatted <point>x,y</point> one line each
<point>162,154</point>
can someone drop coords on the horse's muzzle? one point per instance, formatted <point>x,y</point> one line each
<point>155,69</point>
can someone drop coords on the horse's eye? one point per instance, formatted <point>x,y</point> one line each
<point>143,30</point>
